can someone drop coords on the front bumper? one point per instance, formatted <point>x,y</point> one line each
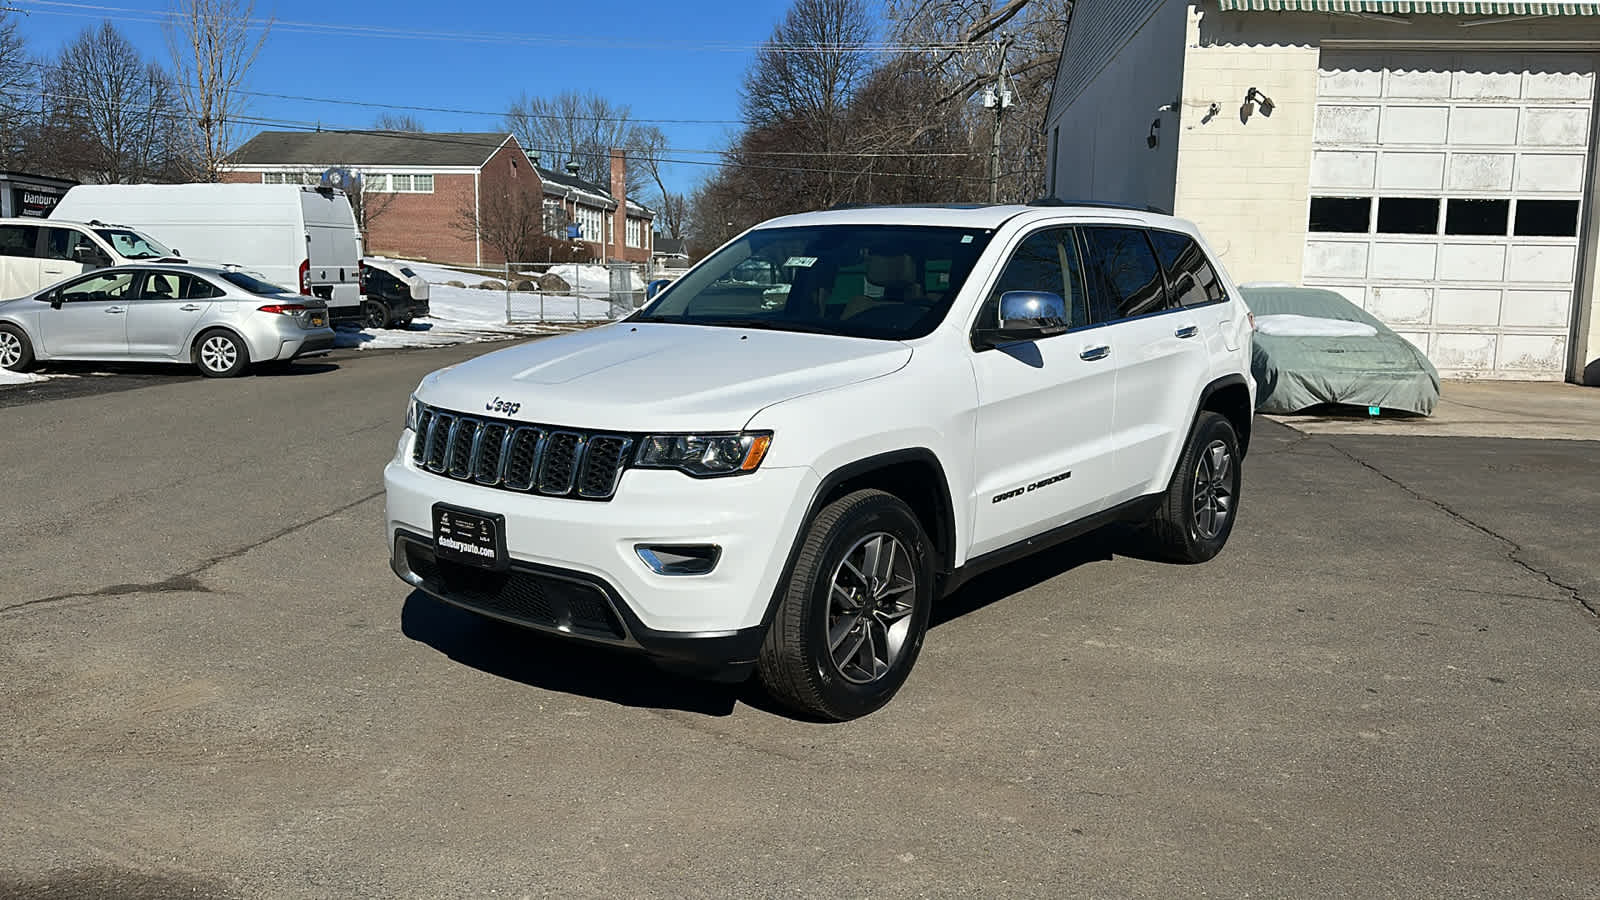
<point>589,547</point>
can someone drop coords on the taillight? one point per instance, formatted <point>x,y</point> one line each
<point>305,277</point>
<point>283,309</point>
<point>361,277</point>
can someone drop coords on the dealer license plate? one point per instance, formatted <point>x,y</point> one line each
<point>470,537</point>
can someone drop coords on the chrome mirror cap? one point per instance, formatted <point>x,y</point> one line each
<point>1031,309</point>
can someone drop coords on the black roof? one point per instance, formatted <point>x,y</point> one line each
<point>370,148</point>
<point>572,181</point>
<point>670,246</point>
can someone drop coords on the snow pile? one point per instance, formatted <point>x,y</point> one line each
<point>593,281</point>
<point>9,378</point>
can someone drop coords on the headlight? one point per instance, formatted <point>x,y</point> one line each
<point>704,455</point>
<point>413,413</point>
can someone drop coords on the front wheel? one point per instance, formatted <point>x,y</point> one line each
<point>374,314</point>
<point>851,621</point>
<point>220,354</point>
<point>1202,501</point>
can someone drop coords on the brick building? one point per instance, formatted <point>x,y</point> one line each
<point>420,189</point>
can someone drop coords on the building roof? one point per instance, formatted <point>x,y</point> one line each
<point>1421,7</point>
<point>566,184</point>
<point>670,246</point>
<point>370,148</point>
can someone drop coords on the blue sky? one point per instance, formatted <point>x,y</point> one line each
<point>681,60</point>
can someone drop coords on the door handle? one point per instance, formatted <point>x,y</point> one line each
<point>1187,331</point>
<point>190,307</point>
<point>116,309</point>
<point>1094,353</point>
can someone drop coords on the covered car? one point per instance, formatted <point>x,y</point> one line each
<point>1313,347</point>
<point>392,293</point>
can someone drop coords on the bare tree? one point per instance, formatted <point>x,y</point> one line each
<point>511,223</point>
<point>573,127</point>
<point>17,92</point>
<point>108,115</point>
<point>368,203</point>
<point>398,121</point>
<point>213,43</point>
<point>673,215</point>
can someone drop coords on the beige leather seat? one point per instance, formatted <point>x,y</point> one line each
<point>897,275</point>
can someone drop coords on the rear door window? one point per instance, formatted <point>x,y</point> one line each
<point>1125,271</point>
<point>1191,278</point>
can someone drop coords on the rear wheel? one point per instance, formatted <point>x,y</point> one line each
<point>16,352</point>
<point>1197,513</point>
<point>851,621</point>
<point>220,354</point>
<point>374,314</point>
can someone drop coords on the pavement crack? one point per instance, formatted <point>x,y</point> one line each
<point>188,582</point>
<point>1514,550</point>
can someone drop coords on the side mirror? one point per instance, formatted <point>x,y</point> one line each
<point>54,298</point>
<point>1026,316</point>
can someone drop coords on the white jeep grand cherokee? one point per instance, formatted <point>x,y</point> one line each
<point>783,460</point>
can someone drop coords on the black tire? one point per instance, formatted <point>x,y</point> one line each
<point>1182,529</point>
<point>16,351</point>
<point>374,314</point>
<point>797,665</point>
<point>220,353</point>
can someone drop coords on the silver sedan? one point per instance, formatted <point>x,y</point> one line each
<point>221,320</point>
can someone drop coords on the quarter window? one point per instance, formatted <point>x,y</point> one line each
<point>1190,276</point>
<point>18,240</point>
<point>1125,271</point>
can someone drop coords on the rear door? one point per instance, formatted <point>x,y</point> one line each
<point>1159,350</point>
<point>93,318</point>
<point>1043,450</point>
<point>166,312</point>
<point>332,247</point>
<point>19,260</point>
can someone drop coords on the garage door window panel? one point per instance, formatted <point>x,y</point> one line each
<point>1477,217</point>
<point>1408,215</point>
<point>1547,218</point>
<point>1348,215</point>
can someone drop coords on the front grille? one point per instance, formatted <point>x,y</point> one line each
<point>528,598</point>
<point>555,462</point>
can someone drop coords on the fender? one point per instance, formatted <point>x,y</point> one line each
<point>189,354</point>
<point>944,543</point>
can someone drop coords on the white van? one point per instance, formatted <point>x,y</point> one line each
<point>303,238</point>
<point>36,253</point>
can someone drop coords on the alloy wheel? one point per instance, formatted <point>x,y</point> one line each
<point>218,353</point>
<point>10,349</point>
<point>1213,490</point>
<point>871,596</point>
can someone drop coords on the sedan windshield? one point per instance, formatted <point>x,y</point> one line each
<point>252,284</point>
<point>889,282</point>
<point>131,244</point>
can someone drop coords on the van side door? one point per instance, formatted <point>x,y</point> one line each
<point>65,252</point>
<point>19,260</point>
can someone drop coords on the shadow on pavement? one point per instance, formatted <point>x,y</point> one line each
<point>124,884</point>
<point>998,584</point>
<point>551,664</point>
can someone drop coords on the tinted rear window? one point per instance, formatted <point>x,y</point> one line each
<point>253,285</point>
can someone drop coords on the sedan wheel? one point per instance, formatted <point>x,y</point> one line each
<point>14,351</point>
<point>219,354</point>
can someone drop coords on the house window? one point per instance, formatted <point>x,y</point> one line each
<point>635,233</point>
<point>398,183</point>
<point>311,178</point>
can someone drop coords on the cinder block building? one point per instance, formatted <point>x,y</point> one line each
<point>1431,160</point>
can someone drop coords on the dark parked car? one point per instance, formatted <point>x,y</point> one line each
<point>391,294</point>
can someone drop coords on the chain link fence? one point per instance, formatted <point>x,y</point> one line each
<point>573,292</point>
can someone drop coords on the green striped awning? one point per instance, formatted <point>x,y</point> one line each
<point>1420,7</point>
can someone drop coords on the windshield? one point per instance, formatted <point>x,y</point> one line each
<point>253,285</point>
<point>875,281</point>
<point>130,244</point>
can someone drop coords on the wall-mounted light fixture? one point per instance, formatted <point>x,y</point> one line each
<point>1153,140</point>
<point>1262,101</point>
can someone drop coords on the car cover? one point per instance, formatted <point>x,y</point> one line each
<point>1296,370</point>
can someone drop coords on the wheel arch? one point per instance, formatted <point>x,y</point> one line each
<point>204,330</point>
<point>914,475</point>
<point>1229,396</point>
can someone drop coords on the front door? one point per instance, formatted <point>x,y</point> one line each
<point>1043,448</point>
<point>65,252</point>
<point>168,309</point>
<point>92,320</point>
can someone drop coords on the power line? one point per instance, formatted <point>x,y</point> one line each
<point>96,10</point>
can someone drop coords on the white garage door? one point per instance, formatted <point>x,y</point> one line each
<point>1446,197</point>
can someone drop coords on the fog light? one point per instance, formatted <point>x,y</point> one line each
<point>679,559</point>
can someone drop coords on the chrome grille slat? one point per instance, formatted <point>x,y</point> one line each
<point>510,456</point>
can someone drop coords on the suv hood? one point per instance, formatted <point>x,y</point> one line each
<point>653,377</point>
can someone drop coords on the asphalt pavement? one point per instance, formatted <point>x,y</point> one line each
<point>212,686</point>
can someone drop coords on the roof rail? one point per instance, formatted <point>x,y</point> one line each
<point>1099,204</point>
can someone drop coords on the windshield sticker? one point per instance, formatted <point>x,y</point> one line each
<point>966,239</point>
<point>803,262</point>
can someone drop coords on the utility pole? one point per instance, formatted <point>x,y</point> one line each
<point>997,97</point>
